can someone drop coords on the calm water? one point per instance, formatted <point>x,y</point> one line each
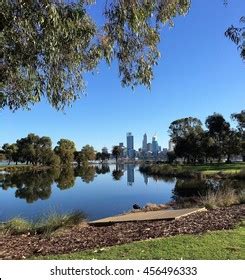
<point>97,191</point>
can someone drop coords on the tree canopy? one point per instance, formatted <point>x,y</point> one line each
<point>48,46</point>
<point>194,144</point>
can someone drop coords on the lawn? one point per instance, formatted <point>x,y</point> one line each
<point>218,245</point>
<point>217,167</point>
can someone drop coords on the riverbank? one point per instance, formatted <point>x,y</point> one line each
<point>23,168</point>
<point>219,171</point>
<point>84,237</point>
<point>216,245</point>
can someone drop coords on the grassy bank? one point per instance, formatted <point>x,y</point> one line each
<point>44,225</point>
<point>23,168</point>
<point>218,245</point>
<point>223,170</point>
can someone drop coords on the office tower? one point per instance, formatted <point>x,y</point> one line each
<point>154,145</point>
<point>104,150</point>
<point>130,145</point>
<point>144,143</point>
<point>121,145</point>
<point>149,147</point>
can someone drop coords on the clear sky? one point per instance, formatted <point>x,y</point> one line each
<point>200,73</point>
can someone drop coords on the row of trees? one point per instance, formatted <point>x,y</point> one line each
<point>36,150</point>
<point>195,144</point>
<point>33,186</point>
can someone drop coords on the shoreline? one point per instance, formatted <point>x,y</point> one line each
<point>85,237</point>
<point>215,171</point>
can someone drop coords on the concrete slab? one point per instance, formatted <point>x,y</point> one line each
<point>147,216</point>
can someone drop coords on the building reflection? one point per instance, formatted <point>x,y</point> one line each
<point>145,179</point>
<point>130,174</point>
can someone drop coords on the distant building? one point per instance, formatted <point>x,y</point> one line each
<point>154,145</point>
<point>144,143</point>
<point>149,147</point>
<point>124,152</point>
<point>104,150</point>
<point>130,145</point>
<point>145,178</point>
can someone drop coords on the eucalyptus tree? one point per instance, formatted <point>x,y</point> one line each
<point>10,152</point>
<point>48,45</point>
<point>65,150</point>
<point>240,118</point>
<point>237,35</point>
<point>219,130</point>
<point>187,135</point>
<point>87,154</point>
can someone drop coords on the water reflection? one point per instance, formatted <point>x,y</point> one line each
<point>118,172</point>
<point>87,173</point>
<point>102,169</point>
<point>130,174</point>
<point>65,179</point>
<point>33,186</point>
<point>30,186</point>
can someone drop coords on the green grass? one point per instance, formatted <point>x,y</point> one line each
<point>45,225</point>
<point>218,245</point>
<point>233,170</point>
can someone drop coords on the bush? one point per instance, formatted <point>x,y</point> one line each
<point>45,225</point>
<point>17,226</point>
<point>221,198</point>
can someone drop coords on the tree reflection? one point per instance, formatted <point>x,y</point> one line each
<point>66,178</point>
<point>190,187</point>
<point>102,169</point>
<point>118,172</point>
<point>86,172</point>
<point>32,186</point>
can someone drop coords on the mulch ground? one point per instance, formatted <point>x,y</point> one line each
<point>90,237</point>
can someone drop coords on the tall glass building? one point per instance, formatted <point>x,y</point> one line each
<point>130,145</point>
<point>144,143</point>
<point>154,145</point>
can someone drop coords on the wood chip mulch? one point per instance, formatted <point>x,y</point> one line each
<point>91,237</point>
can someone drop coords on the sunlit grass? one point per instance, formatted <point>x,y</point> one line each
<point>217,245</point>
<point>44,225</point>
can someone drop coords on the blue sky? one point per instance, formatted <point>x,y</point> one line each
<point>200,73</point>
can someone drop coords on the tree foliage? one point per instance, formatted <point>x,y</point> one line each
<point>194,144</point>
<point>65,150</point>
<point>237,35</point>
<point>116,152</point>
<point>48,45</point>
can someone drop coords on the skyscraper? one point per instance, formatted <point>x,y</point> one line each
<point>154,145</point>
<point>144,143</point>
<point>130,145</point>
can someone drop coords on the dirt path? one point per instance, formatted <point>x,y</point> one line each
<point>90,237</point>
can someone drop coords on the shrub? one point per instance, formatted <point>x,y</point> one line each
<point>45,225</point>
<point>220,198</point>
<point>17,226</point>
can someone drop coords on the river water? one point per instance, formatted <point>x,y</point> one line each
<point>98,191</point>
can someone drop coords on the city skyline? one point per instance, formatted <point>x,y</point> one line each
<point>199,73</point>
